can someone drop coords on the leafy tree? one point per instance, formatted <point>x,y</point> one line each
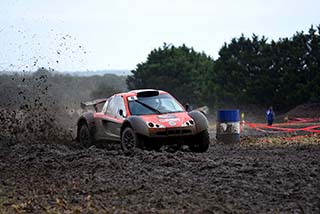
<point>179,70</point>
<point>283,73</point>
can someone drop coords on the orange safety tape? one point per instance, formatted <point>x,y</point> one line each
<point>261,127</point>
<point>298,121</point>
<point>304,120</point>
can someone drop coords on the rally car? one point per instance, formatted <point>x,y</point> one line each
<point>143,119</point>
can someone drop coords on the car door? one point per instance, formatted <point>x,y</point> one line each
<point>109,120</point>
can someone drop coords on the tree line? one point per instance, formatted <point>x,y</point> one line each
<point>282,73</point>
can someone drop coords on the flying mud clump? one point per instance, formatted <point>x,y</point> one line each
<point>32,115</point>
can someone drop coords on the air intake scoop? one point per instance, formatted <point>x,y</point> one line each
<point>150,93</point>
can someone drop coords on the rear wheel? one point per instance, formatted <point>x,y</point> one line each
<point>85,137</point>
<point>201,142</point>
<point>130,141</point>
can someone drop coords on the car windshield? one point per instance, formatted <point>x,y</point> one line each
<point>161,104</point>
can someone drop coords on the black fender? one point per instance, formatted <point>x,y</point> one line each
<point>88,119</point>
<point>200,120</point>
<point>138,125</point>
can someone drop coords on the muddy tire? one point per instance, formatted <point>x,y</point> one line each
<point>201,142</point>
<point>85,138</point>
<point>130,141</point>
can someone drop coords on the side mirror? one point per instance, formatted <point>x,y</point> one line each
<point>121,113</point>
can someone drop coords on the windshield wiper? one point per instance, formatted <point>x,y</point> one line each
<point>168,112</point>
<point>149,107</point>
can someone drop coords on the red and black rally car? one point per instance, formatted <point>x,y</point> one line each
<point>145,119</point>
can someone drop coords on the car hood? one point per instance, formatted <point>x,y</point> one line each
<point>168,120</point>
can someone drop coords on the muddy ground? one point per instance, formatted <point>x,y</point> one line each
<point>43,171</point>
<point>251,177</point>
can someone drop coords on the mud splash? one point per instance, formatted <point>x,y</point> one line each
<point>32,114</point>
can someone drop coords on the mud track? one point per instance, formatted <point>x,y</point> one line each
<point>45,178</point>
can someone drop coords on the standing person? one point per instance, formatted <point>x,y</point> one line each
<point>270,116</point>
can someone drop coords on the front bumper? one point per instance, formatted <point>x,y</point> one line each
<point>173,132</point>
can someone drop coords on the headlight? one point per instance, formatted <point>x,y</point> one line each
<point>188,123</point>
<point>154,125</point>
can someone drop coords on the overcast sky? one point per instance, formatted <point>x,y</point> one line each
<point>69,35</point>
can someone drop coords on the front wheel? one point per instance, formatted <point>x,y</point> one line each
<point>130,141</point>
<point>201,142</point>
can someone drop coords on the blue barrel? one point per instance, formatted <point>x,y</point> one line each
<point>228,126</point>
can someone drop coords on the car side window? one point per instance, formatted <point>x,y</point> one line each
<point>120,105</point>
<point>104,108</point>
<point>115,104</point>
<point>111,107</point>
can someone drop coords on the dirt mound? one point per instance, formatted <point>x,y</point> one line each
<point>50,178</point>
<point>309,110</point>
